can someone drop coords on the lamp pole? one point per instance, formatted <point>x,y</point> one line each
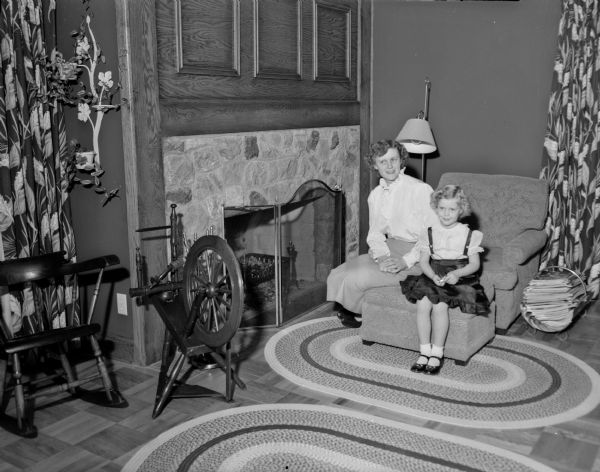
<point>426,117</point>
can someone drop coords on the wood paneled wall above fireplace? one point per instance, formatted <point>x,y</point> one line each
<point>268,64</point>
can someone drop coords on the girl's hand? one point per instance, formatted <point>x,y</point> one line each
<point>451,278</point>
<point>439,281</point>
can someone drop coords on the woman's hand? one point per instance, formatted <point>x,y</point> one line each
<point>439,281</point>
<point>392,265</point>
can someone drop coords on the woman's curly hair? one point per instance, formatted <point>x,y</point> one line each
<point>450,192</point>
<point>382,146</point>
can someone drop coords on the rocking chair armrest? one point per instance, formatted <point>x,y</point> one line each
<point>27,269</point>
<point>88,265</point>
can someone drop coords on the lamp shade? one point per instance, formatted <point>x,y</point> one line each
<point>416,136</point>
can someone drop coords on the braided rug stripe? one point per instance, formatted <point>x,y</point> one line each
<point>511,383</point>
<point>282,437</point>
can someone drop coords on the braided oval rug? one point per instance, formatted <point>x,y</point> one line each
<point>317,438</point>
<point>510,383</point>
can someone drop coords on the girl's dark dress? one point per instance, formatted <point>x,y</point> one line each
<point>467,293</point>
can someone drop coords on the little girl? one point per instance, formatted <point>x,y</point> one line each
<point>449,258</point>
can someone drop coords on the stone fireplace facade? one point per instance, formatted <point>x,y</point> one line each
<point>205,173</point>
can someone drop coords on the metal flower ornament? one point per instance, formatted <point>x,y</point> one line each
<point>77,82</point>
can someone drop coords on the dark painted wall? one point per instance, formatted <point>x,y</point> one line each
<point>490,65</point>
<point>101,230</point>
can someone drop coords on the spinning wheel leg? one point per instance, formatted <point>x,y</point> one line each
<point>173,359</point>
<point>166,359</point>
<point>225,364</point>
<point>228,374</point>
<point>162,398</point>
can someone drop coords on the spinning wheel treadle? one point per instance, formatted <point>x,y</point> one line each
<point>213,291</point>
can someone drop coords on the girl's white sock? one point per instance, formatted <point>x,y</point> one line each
<point>437,351</point>
<point>425,350</point>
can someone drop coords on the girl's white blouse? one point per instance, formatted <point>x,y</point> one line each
<point>449,243</point>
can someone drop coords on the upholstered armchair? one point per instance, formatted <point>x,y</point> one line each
<point>510,211</point>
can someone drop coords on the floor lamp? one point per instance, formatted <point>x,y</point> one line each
<point>416,135</point>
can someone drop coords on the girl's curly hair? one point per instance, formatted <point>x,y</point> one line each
<point>451,192</point>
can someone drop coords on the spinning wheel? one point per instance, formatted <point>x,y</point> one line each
<point>201,313</point>
<point>213,291</point>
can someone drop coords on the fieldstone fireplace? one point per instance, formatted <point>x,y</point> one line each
<point>275,197</point>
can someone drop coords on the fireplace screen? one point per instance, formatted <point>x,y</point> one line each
<point>286,251</point>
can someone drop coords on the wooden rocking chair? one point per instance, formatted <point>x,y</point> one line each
<point>52,372</point>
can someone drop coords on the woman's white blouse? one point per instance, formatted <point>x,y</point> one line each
<point>449,243</point>
<point>399,210</point>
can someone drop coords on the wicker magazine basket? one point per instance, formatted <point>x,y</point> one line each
<point>553,298</point>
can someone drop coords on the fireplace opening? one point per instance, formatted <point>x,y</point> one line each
<point>286,251</point>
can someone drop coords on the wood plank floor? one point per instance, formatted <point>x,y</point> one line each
<point>76,436</point>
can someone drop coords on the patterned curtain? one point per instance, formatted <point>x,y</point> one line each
<point>571,158</point>
<point>33,189</point>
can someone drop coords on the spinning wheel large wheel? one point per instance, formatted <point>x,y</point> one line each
<point>213,291</point>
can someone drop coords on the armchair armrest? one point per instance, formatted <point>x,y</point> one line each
<point>523,246</point>
<point>488,285</point>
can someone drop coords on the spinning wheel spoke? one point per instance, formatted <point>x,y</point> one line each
<point>200,279</point>
<point>203,311</point>
<point>199,284</point>
<point>208,264</point>
<point>222,281</point>
<point>215,267</point>
<point>225,302</point>
<point>223,311</point>
<point>214,316</point>
<point>220,271</point>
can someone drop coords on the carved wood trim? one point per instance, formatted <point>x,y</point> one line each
<point>136,23</point>
<point>205,68</point>
<point>187,117</point>
<point>366,179</point>
<point>130,166</point>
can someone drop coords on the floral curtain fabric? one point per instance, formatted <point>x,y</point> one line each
<point>33,187</point>
<point>570,160</point>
